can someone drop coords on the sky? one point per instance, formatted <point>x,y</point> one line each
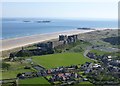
<point>69,9</point>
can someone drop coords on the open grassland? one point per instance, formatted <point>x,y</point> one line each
<point>63,59</point>
<point>98,52</point>
<point>38,81</point>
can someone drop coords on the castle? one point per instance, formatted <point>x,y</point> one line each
<point>68,39</point>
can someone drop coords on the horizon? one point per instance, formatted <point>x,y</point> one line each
<point>61,10</point>
<point>80,19</point>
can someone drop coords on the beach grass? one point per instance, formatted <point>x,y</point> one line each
<point>61,59</point>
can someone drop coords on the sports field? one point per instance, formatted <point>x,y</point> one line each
<point>62,59</point>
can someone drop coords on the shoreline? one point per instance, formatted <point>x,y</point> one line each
<point>12,43</point>
<point>36,35</point>
<point>8,44</point>
<point>53,32</point>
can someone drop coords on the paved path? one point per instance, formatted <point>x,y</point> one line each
<point>86,52</point>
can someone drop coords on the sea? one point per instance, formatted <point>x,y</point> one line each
<point>20,27</point>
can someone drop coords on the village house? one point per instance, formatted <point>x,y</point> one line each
<point>64,77</point>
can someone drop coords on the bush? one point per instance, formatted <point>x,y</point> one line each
<point>12,55</point>
<point>5,66</point>
<point>23,53</point>
<point>58,50</point>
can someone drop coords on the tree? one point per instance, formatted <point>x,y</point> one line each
<point>23,53</point>
<point>12,55</point>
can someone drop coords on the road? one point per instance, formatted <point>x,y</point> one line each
<point>86,52</point>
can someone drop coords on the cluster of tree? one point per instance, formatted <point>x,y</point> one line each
<point>5,66</point>
<point>113,40</point>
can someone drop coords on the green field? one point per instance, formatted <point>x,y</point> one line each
<point>15,68</point>
<point>36,81</point>
<point>98,52</point>
<point>63,59</point>
<point>114,54</point>
<point>48,61</point>
<point>86,83</point>
<point>13,73</point>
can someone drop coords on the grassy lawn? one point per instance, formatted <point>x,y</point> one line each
<point>98,52</point>
<point>14,69</point>
<point>13,73</point>
<point>86,83</point>
<point>62,59</point>
<point>36,81</point>
<point>0,75</point>
<point>115,55</point>
<point>81,73</point>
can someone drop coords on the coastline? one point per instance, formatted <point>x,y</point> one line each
<point>8,44</point>
<point>13,43</point>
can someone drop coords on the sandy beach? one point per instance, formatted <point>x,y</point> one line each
<point>12,43</point>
